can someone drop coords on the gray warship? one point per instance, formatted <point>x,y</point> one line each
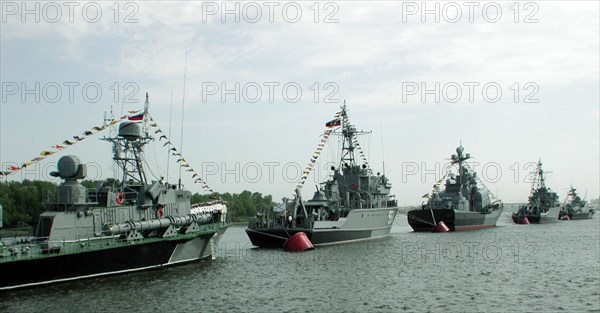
<point>543,205</point>
<point>132,226</point>
<point>354,204</point>
<point>575,208</point>
<point>464,204</point>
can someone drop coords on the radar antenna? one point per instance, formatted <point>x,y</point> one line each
<point>348,134</point>
<point>128,147</point>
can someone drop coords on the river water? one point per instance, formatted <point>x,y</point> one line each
<point>510,268</point>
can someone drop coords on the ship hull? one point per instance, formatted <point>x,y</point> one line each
<point>65,267</point>
<point>359,225</point>
<point>582,216</point>
<point>551,216</point>
<point>578,216</point>
<point>425,220</point>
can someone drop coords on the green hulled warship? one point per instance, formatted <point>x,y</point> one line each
<point>134,225</point>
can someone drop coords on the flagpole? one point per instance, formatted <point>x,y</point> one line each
<point>145,117</point>
<point>170,124</point>
<point>182,114</point>
<point>382,152</point>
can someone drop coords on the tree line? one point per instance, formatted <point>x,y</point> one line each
<point>240,206</point>
<point>23,202</point>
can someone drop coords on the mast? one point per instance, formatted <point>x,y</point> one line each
<point>128,146</point>
<point>348,133</point>
<point>541,173</point>
<point>170,123</point>
<point>540,181</point>
<point>382,152</point>
<point>460,159</point>
<point>182,115</point>
<point>347,158</point>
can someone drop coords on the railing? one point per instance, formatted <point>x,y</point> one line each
<point>21,248</point>
<point>39,247</point>
<point>52,200</point>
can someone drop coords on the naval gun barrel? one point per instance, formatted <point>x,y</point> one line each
<point>154,224</point>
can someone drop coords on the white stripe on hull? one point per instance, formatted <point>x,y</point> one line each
<point>171,261</point>
<point>353,240</point>
<point>80,277</point>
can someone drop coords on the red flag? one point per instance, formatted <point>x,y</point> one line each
<point>333,123</point>
<point>137,117</point>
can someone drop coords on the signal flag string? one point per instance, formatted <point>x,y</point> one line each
<point>12,169</point>
<point>181,160</point>
<point>331,125</point>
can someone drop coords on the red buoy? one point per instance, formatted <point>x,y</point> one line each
<point>441,227</point>
<point>298,242</point>
<point>524,221</point>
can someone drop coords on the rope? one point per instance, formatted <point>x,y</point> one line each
<point>259,232</point>
<point>420,220</point>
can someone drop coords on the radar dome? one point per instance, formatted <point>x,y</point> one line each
<point>130,130</point>
<point>68,166</point>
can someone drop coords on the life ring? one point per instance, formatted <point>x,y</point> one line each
<point>160,213</point>
<point>120,198</point>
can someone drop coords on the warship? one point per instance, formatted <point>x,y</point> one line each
<point>543,205</point>
<point>575,208</point>
<point>354,204</point>
<point>130,226</point>
<point>464,204</point>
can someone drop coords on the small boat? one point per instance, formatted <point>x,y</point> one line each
<point>464,204</point>
<point>543,205</point>
<point>354,204</point>
<point>575,208</point>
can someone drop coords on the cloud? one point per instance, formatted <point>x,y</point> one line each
<point>368,53</point>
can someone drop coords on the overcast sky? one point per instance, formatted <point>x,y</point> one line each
<point>513,82</point>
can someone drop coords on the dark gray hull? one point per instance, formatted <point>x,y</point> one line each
<point>364,224</point>
<point>544,218</point>
<point>582,216</point>
<point>578,216</point>
<point>424,220</point>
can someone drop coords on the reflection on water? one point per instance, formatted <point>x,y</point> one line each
<point>508,268</point>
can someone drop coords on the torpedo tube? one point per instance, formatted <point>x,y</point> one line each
<point>524,221</point>
<point>441,227</point>
<point>297,243</point>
